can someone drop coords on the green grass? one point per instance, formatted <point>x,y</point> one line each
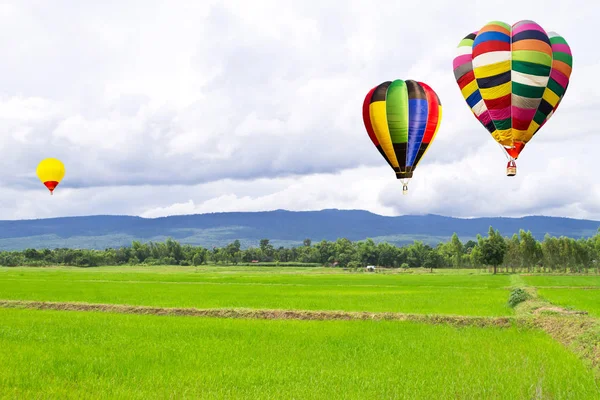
<point>579,299</point>
<point>301,289</point>
<point>568,291</point>
<point>53,354</point>
<point>61,354</point>
<point>259,275</point>
<point>562,280</point>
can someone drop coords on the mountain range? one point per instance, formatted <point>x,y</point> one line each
<point>281,227</point>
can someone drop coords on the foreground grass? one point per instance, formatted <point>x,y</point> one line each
<point>230,288</point>
<point>53,354</point>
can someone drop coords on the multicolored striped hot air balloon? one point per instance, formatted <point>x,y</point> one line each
<point>513,78</point>
<point>50,171</point>
<point>402,119</point>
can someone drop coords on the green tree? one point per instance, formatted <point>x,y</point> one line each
<point>344,251</point>
<point>513,257</point>
<point>551,252</point>
<point>433,259</point>
<point>367,252</point>
<point>416,254</point>
<point>469,246</point>
<point>326,251</point>
<point>266,249</point>
<point>493,249</point>
<point>388,255</point>
<point>456,250</point>
<point>531,250</point>
<point>199,258</point>
<point>344,259</point>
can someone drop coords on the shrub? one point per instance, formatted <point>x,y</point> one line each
<point>9,260</point>
<point>517,296</point>
<point>354,265</point>
<point>168,261</point>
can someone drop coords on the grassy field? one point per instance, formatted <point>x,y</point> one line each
<point>580,299</point>
<point>268,275</point>
<point>577,292</point>
<point>482,295</point>
<point>73,354</point>
<point>564,281</point>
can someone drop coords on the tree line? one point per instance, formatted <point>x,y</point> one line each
<point>521,252</point>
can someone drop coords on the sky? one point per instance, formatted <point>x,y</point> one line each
<point>172,107</point>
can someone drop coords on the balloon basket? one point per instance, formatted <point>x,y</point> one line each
<point>405,189</point>
<point>511,168</point>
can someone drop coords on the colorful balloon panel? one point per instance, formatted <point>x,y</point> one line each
<point>369,126</point>
<point>402,119</point>
<point>465,77</point>
<point>434,117</point>
<point>50,172</point>
<point>512,78</point>
<point>562,66</point>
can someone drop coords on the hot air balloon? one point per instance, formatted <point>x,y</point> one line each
<point>513,78</point>
<point>402,119</point>
<point>50,171</point>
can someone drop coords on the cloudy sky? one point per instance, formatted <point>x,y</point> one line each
<point>179,107</point>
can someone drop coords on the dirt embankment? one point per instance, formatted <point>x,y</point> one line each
<point>581,334</point>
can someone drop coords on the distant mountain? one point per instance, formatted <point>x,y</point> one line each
<point>283,228</point>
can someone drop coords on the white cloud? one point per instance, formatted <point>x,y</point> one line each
<point>184,107</point>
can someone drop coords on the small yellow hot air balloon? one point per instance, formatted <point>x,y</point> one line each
<point>50,171</point>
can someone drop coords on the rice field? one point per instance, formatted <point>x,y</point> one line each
<point>576,292</point>
<point>268,289</point>
<point>72,355</point>
<point>579,299</point>
<point>563,280</point>
<point>109,355</point>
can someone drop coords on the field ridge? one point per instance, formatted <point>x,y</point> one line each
<point>574,329</point>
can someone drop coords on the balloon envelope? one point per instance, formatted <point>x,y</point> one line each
<point>513,79</point>
<point>50,171</point>
<point>402,119</point>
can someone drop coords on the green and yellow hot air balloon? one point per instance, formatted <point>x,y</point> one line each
<point>402,118</point>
